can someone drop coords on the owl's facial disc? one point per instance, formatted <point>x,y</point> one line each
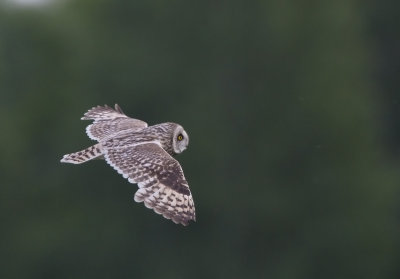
<point>180,140</point>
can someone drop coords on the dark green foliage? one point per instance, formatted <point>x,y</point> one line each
<point>288,163</point>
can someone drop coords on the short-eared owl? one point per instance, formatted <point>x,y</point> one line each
<point>143,155</point>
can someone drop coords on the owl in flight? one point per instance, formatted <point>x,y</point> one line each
<point>144,155</point>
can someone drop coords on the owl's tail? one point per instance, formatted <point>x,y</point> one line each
<point>83,156</point>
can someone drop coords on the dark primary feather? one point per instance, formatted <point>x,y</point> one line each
<point>162,184</point>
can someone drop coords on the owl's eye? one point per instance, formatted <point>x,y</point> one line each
<point>180,137</point>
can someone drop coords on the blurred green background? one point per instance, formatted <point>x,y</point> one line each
<point>293,112</point>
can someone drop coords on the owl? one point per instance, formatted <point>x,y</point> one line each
<point>145,156</point>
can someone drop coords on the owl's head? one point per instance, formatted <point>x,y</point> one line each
<point>180,140</point>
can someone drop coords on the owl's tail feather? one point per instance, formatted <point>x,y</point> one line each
<point>83,156</point>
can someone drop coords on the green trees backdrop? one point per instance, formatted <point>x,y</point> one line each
<point>293,114</point>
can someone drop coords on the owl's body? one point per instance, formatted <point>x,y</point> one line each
<point>143,155</point>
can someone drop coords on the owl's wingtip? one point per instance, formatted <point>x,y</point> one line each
<point>118,108</point>
<point>186,223</point>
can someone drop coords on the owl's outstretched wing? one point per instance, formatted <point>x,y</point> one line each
<point>109,121</point>
<point>162,185</point>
